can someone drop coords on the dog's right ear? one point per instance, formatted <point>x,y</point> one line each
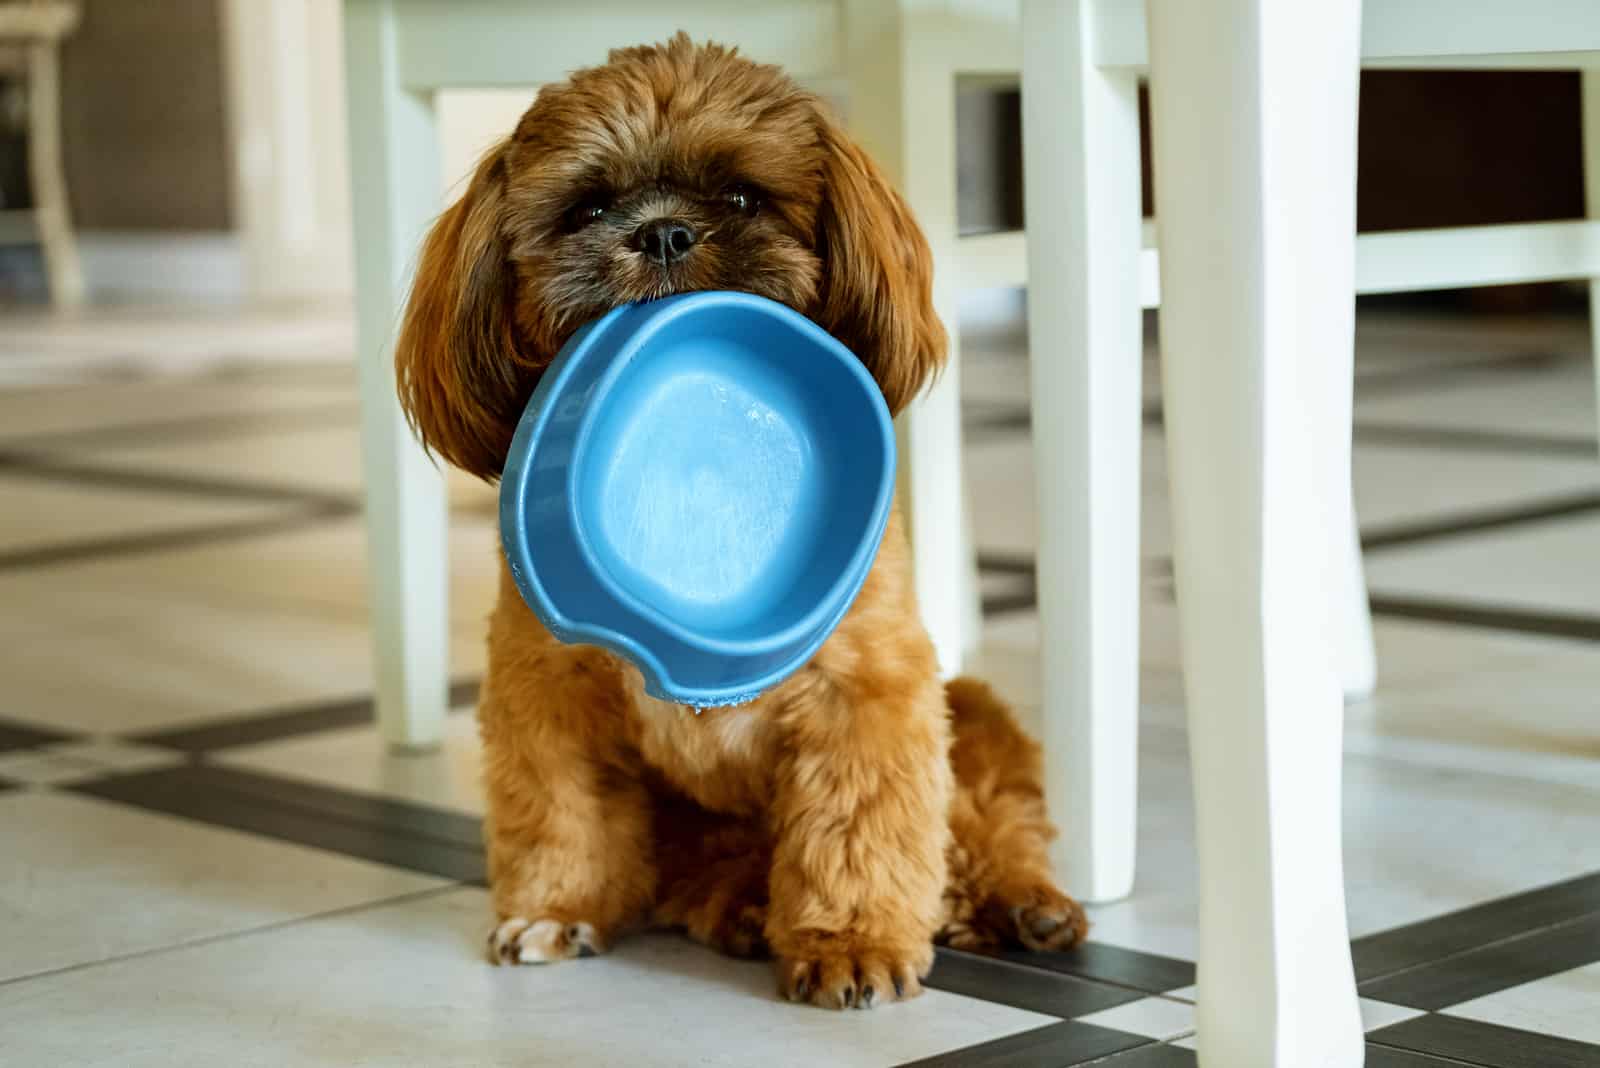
<point>462,381</point>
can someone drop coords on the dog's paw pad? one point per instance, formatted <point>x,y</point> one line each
<point>1052,921</point>
<point>518,941</point>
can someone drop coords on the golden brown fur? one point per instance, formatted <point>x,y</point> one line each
<point>849,816</point>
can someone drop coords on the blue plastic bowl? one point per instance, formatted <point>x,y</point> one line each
<point>699,484</point>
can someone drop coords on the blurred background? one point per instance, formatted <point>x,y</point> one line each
<point>204,154</point>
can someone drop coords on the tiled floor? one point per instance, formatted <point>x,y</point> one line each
<point>207,856</point>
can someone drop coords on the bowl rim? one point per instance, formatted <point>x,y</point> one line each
<point>820,620</point>
<point>630,349</point>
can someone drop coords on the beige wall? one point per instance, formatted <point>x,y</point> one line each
<point>143,117</point>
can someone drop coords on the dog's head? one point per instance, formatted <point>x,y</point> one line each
<point>670,169</point>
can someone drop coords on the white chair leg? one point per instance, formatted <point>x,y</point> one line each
<point>1591,182</point>
<point>50,210</point>
<point>1254,117</point>
<point>1081,154</point>
<point>929,443</point>
<point>903,109</point>
<point>395,191</point>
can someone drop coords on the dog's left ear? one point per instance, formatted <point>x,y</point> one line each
<point>877,286</point>
<point>462,380</point>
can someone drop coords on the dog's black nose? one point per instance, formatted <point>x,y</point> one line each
<point>665,241</point>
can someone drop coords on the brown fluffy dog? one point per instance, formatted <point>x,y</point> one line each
<point>854,813</point>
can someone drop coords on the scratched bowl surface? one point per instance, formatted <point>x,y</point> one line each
<point>700,485</point>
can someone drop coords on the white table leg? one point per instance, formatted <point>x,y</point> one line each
<point>1356,658</point>
<point>1081,154</point>
<point>50,211</point>
<point>1591,183</point>
<point>1254,116</point>
<point>395,191</point>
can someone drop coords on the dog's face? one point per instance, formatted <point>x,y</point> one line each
<point>671,169</point>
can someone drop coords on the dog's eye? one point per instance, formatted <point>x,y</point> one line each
<point>589,211</point>
<point>743,199</point>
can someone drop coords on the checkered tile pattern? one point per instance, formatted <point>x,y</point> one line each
<point>210,856</point>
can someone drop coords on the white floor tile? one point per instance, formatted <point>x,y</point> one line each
<point>1563,1005</point>
<point>191,662</point>
<point>1157,1018</point>
<point>1376,1014</point>
<point>40,514</point>
<point>407,985</point>
<point>50,415</point>
<point>358,759</point>
<point>1400,866</point>
<point>319,568</point>
<point>84,880</point>
<point>110,341</point>
<point>37,767</point>
<point>1449,697</point>
<point>1394,485</point>
<point>1545,399</point>
<point>325,458</point>
<point>107,755</point>
<point>1549,566</point>
<point>176,638</point>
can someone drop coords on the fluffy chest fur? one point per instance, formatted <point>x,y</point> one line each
<point>721,757</point>
<point>726,759</point>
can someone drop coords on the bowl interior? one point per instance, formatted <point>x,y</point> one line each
<point>729,475</point>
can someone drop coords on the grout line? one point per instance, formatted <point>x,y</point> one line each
<point>1536,931</point>
<point>52,468</point>
<point>1440,437</point>
<point>226,936</point>
<point>286,721</point>
<point>1403,380</point>
<point>1440,1057</point>
<point>1548,624</point>
<point>183,538</point>
<point>191,428</point>
<point>1480,522</point>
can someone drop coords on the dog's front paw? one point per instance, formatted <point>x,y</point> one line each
<point>516,940</point>
<point>1047,919</point>
<point>841,971</point>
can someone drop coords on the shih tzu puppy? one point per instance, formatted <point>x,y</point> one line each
<point>860,811</point>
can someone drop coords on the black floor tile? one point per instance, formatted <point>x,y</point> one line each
<point>1492,968</point>
<point>1387,952</point>
<point>22,736</point>
<point>402,817</point>
<point>1054,1046</point>
<point>64,468</point>
<point>1429,610</point>
<point>1149,972</point>
<point>1475,440</point>
<point>1154,1057</point>
<point>1478,522</point>
<point>278,723</point>
<point>387,832</point>
<point>293,518</point>
<point>1024,988</point>
<point>1177,1057</point>
<point>1486,1045</point>
<point>1385,1057</point>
